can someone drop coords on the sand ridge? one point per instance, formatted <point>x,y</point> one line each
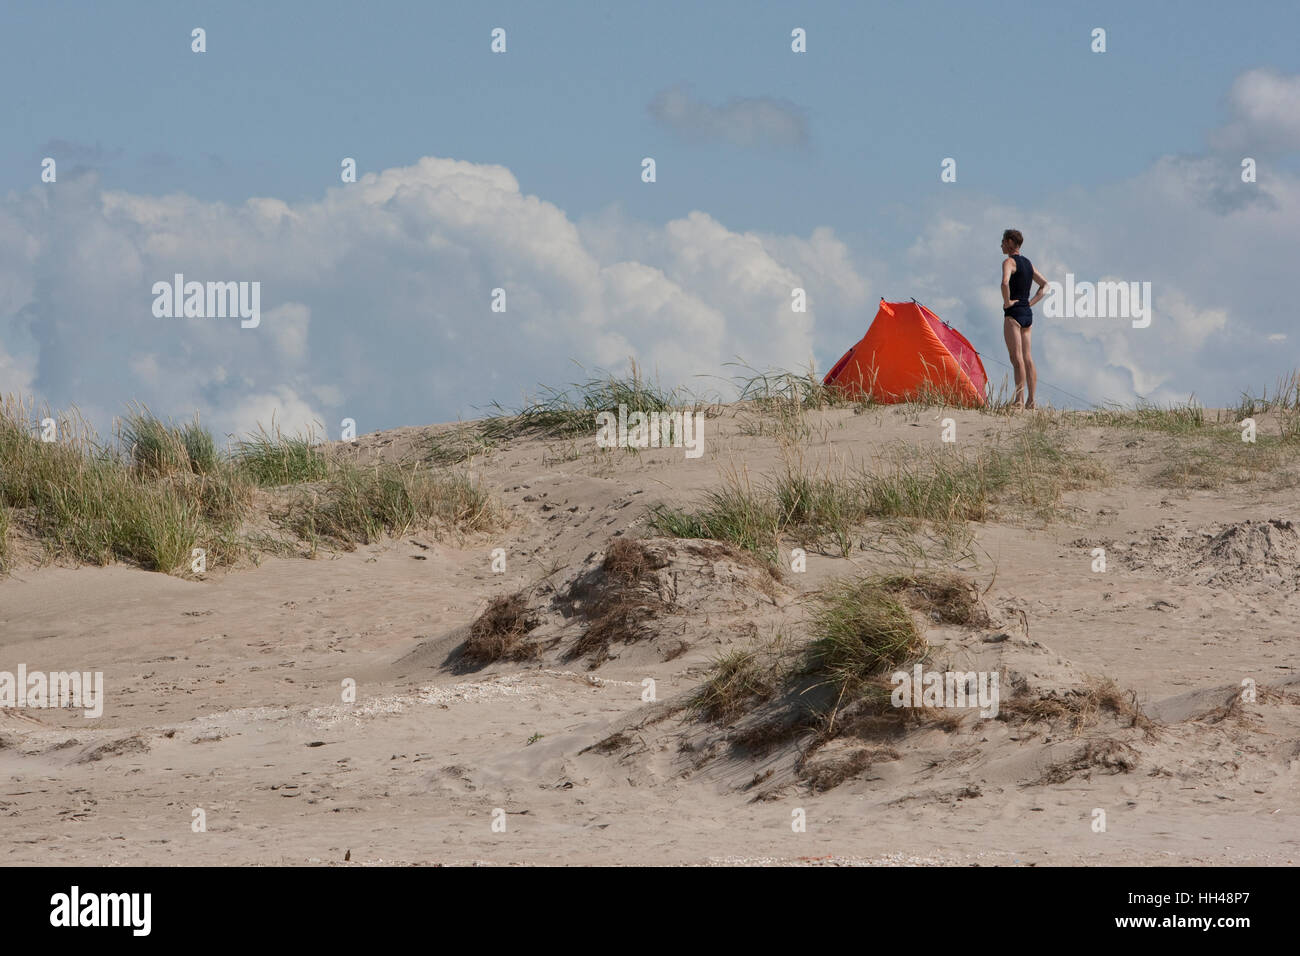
<point>226,694</point>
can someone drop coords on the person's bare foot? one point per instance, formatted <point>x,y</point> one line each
<point>1031,406</point>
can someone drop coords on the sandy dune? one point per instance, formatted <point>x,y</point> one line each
<point>224,693</point>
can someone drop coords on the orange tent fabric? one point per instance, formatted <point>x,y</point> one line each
<point>907,352</point>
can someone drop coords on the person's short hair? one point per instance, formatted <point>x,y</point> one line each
<point>1015,236</point>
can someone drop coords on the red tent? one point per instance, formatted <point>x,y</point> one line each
<point>910,352</point>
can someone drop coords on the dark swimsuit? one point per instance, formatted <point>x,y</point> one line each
<point>1019,285</point>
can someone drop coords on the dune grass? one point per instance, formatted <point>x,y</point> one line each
<point>861,631</point>
<point>162,491</point>
<point>1175,418</point>
<point>1079,708</point>
<point>1219,458</point>
<point>736,680</point>
<point>359,505</point>
<point>153,446</point>
<point>778,389</point>
<point>1205,451</point>
<point>1191,420</point>
<point>735,513</point>
<point>270,459</point>
<point>781,400</point>
<point>560,414</point>
<point>1285,398</point>
<point>4,538</point>
<point>945,597</point>
<point>161,448</point>
<point>461,442</point>
<point>1027,474</point>
<point>571,412</point>
<point>499,632</point>
<point>140,502</point>
<point>837,682</point>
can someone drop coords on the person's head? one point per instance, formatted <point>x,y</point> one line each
<point>1012,240</point>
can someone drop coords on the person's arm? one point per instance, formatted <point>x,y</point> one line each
<point>1008,267</point>
<point>1042,287</point>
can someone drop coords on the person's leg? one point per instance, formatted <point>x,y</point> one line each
<point>1031,375</point>
<point>1011,332</point>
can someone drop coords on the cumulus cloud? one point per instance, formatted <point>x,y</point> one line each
<point>742,121</point>
<point>376,298</point>
<point>287,324</point>
<point>1264,108</point>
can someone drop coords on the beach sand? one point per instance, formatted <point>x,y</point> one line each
<point>225,693</point>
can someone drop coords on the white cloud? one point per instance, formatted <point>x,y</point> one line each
<point>1264,110</point>
<point>288,324</point>
<point>376,298</point>
<point>278,409</point>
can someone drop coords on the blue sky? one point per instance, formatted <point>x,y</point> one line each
<point>823,166</point>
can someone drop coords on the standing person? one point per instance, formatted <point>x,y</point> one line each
<point>1017,310</point>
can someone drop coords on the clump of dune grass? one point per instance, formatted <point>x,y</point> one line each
<point>1106,754</point>
<point>628,562</point>
<point>160,448</point>
<point>829,774</point>
<point>1000,401</point>
<point>459,443</point>
<point>779,401</point>
<point>1289,426</point>
<point>933,486</point>
<point>737,679</point>
<point>1078,708</point>
<point>779,389</point>
<point>837,686</point>
<point>105,514</point>
<point>1027,472</point>
<point>271,458</point>
<point>499,632</point>
<point>945,597</point>
<point>152,445</point>
<point>568,413</point>
<point>813,502</point>
<point>32,469</point>
<point>863,632</point>
<point>200,448</point>
<point>933,391</point>
<point>735,513</point>
<point>1285,398</point>
<point>356,504</point>
<point>617,602</point>
<point>1209,452</point>
<point>860,631</point>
